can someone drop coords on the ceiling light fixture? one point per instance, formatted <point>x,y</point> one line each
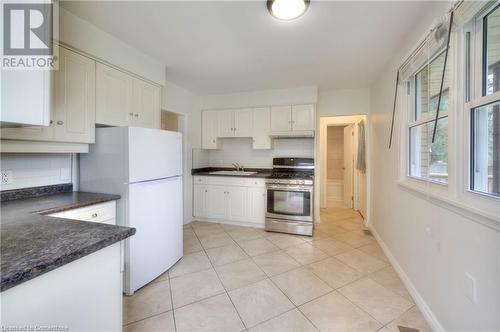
<point>287,9</point>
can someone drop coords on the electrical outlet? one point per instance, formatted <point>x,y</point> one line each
<point>6,177</point>
<point>470,288</point>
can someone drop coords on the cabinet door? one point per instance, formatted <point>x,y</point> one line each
<point>74,98</point>
<point>114,90</point>
<point>257,205</point>
<point>302,117</point>
<point>217,202</point>
<point>146,104</point>
<point>200,196</point>
<point>243,122</point>
<point>210,129</point>
<point>226,123</point>
<point>281,118</point>
<point>28,133</point>
<point>237,203</point>
<point>261,128</point>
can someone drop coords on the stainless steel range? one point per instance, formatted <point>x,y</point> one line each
<point>290,192</point>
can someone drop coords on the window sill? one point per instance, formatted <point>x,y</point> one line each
<point>467,211</point>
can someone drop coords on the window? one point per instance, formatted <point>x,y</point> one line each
<point>429,160</point>
<point>491,53</point>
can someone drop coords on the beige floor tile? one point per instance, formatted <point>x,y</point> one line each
<point>207,229</point>
<point>333,312</point>
<point>375,251</point>
<point>332,246</point>
<point>301,285</point>
<point>413,319</point>
<point>291,321</point>
<point>335,273</point>
<point>275,262</point>
<point>306,253</point>
<point>259,302</point>
<point>361,261</point>
<point>190,263</point>
<point>257,246</point>
<point>213,314</point>
<point>230,227</point>
<point>187,232</point>
<point>191,244</point>
<point>376,300</point>
<point>160,323</point>
<point>162,277</point>
<point>283,241</point>
<point>239,274</point>
<point>355,239</point>
<point>388,278</point>
<point>245,234</point>
<point>150,300</point>
<point>317,235</point>
<point>195,286</point>
<point>215,240</point>
<point>334,229</point>
<point>227,254</point>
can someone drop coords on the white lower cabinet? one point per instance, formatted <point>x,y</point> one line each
<point>226,199</point>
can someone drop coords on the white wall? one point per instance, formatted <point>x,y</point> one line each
<point>34,170</point>
<point>343,102</point>
<point>433,246</point>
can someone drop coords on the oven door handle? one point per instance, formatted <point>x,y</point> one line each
<point>290,188</point>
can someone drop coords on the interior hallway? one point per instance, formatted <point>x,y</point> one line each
<point>239,278</point>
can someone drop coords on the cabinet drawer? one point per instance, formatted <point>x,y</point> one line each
<point>200,180</point>
<point>258,183</point>
<point>104,212</point>
<point>227,181</point>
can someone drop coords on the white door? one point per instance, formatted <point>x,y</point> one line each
<point>217,198</point>
<point>74,98</point>
<point>281,118</point>
<point>114,91</point>
<point>237,203</point>
<point>146,104</point>
<point>155,210</point>
<point>243,122</point>
<point>257,205</point>
<point>210,129</point>
<point>153,154</point>
<point>302,117</point>
<point>226,123</point>
<point>200,196</point>
<point>261,128</point>
<point>348,166</point>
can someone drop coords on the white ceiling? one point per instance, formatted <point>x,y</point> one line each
<point>222,47</point>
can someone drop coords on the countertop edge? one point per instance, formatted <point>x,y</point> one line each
<point>108,198</point>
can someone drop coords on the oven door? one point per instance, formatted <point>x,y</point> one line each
<point>290,202</point>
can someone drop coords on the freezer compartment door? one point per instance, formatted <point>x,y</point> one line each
<point>154,154</point>
<point>155,210</point>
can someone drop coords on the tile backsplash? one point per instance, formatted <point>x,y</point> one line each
<point>33,170</point>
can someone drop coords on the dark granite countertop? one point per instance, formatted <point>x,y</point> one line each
<point>33,243</point>
<point>206,171</point>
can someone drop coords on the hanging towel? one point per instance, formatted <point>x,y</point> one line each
<point>361,165</point>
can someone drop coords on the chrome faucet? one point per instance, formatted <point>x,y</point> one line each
<point>237,166</point>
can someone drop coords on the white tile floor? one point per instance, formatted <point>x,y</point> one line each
<point>234,278</point>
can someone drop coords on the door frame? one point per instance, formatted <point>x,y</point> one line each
<point>320,164</point>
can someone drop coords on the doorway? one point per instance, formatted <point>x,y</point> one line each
<point>343,171</point>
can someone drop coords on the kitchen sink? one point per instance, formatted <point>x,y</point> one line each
<point>232,173</point>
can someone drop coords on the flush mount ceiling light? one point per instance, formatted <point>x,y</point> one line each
<point>287,9</point>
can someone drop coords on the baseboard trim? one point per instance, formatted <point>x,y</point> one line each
<point>230,222</point>
<point>419,300</point>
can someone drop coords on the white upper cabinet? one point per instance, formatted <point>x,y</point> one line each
<point>226,123</point>
<point>302,117</point>
<point>261,128</point>
<point>113,96</point>
<point>243,122</point>
<point>25,97</point>
<point>210,129</point>
<point>146,104</point>
<point>74,98</point>
<point>281,118</point>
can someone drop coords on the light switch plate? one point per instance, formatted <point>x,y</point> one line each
<point>470,287</point>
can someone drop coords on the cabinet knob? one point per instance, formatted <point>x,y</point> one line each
<point>213,141</point>
<point>60,122</point>
<point>136,115</point>
<point>51,122</point>
<point>94,215</point>
<point>131,114</point>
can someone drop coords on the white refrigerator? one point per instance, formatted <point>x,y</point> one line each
<point>144,166</point>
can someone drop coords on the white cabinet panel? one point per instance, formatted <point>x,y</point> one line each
<point>261,128</point>
<point>114,96</point>
<point>28,133</point>
<point>146,104</point>
<point>210,129</point>
<point>217,202</point>
<point>256,205</point>
<point>302,117</point>
<point>237,203</point>
<point>281,118</point>
<point>74,98</point>
<point>200,200</point>
<point>243,122</point>
<point>226,123</point>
